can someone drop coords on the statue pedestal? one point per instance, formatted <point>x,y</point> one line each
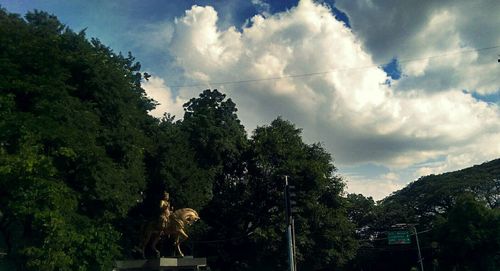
<point>163,264</point>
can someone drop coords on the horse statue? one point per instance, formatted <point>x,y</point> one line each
<point>174,227</point>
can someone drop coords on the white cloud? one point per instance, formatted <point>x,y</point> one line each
<point>263,7</point>
<point>458,157</point>
<point>199,48</point>
<point>378,187</point>
<point>358,118</point>
<point>156,89</point>
<point>416,29</point>
<point>391,176</point>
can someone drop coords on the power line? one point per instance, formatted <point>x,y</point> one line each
<point>255,80</point>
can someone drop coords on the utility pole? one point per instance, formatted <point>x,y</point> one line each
<point>418,247</point>
<point>289,202</point>
<point>404,225</point>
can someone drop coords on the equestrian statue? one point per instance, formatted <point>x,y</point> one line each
<point>171,224</point>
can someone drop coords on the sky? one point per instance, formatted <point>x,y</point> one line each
<point>394,90</point>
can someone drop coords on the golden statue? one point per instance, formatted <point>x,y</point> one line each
<point>166,209</point>
<point>171,224</point>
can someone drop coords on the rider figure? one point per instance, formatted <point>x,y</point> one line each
<point>166,210</point>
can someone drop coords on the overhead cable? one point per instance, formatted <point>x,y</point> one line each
<point>254,80</point>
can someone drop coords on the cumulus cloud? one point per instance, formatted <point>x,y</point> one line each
<point>418,29</point>
<point>351,110</point>
<point>156,89</point>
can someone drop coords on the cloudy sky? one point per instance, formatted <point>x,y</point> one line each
<point>393,89</point>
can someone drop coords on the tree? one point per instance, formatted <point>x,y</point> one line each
<point>437,194</point>
<point>446,207</point>
<point>324,235</point>
<point>214,130</point>
<point>249,213</point>
<point>73,135</point>
<point>218,143</point>
<point>468,238</point>
<point>361,211</point>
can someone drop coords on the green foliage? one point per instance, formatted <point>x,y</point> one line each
<point>214,129</point>
<point>73,123</point>
<point>361,209</point>
<point>40,221</point>
<point>457,213</point>
<point>248,206</point>
<point>468,238</point>
<point>173,167</point>
<point>437,194</point>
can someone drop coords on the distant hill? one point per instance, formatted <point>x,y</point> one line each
<point>435,194</point>
<point>457,216</point>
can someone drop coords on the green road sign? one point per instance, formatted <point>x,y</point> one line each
<point>399,237</point>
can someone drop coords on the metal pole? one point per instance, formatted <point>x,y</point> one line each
<point>294,245</point>
<point>290,248</point>
<point>418,247</point>
<point>289,221</point>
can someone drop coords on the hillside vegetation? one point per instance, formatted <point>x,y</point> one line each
<point>457,214</point>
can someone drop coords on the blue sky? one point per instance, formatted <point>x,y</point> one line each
<point>393,89</point>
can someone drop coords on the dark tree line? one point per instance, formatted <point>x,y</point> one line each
<point>83,165</point>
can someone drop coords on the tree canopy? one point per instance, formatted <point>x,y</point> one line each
<point>73,135</point>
